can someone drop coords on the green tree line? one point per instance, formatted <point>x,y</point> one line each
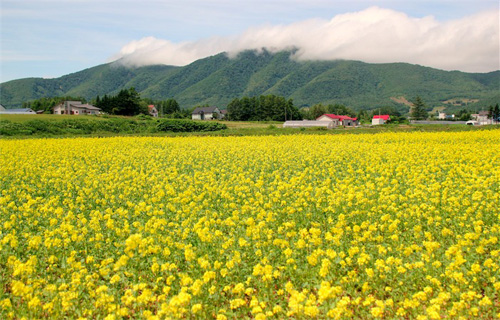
<point>263,108</point>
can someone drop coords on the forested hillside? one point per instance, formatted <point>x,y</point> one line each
<point>218,79</point>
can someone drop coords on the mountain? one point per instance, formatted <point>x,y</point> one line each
<point>218,79</point>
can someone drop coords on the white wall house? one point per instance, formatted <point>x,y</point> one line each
<point>482,118</point>
<point>380,119</point>
<point>335,122</point>
<point>339,120</point>
<point>444,116</point>
<point>76,108</point>
<point>206,113</point>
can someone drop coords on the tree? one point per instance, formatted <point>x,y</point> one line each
<point>340,109</point>
<point>419,110</point>
<point>126,103</point>
<point>171,106</point>
<point>317,111</point>
<point>496,112</point>
<point>463,115</point>
<point>263,108</point>
<point>362,116</point>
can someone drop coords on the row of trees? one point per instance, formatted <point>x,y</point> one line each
<point>263,108</point>
<point>463,115</point>
<point>127,103</point>
<point>318,110</point>
<point>494,112</point>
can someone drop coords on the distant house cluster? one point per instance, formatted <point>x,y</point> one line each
<point>76,108</point>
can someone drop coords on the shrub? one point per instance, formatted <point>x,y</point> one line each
<point>178,125</point>
<point>9,128</point>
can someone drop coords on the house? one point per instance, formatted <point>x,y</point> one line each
<point>444,116</point>
<point>153,111</point>
<point>206,113</point>
<point>381,119</point>
<point>17,111</point>
<point>309,124</point>
<point>76,107</point>
<point>338,120</point>
<point>482,117</point>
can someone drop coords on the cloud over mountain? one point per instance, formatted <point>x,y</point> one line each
<point>374,35</point>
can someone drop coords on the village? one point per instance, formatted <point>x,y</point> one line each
<point>327,121</point>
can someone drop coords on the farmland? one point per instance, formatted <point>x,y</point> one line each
<point>387,225</point>
<point>65,126</point>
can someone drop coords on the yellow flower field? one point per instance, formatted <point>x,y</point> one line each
<point>396,226</point>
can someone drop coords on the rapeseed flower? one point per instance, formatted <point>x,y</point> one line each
<point>304,226</point>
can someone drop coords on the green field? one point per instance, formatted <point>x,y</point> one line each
<point>49,125</point>
<point>52,117</point>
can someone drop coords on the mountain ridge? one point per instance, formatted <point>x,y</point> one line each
<point>218,79</point>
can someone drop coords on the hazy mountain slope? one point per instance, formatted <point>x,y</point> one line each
<point>218,79</point>
<point>173,84</point>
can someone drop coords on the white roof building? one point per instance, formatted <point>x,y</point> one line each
<point>16,111</point>
<point>76,107</point>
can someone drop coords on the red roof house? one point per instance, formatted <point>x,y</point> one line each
<point>340,120</point>
<point>386,117</point>
<point>381,119</point>
<point>152,110</point>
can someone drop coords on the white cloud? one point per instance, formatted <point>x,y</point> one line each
<point>373,35</point>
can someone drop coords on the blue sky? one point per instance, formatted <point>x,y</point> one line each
<point>50,38</point>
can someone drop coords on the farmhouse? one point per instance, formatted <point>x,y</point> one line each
<point>153,111</point>
<point>338,120</point>
<point>482,118</point>
<point>76,107</point>
<point>206,113</point>
<point>380,119</point>
<point>444,116</point>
